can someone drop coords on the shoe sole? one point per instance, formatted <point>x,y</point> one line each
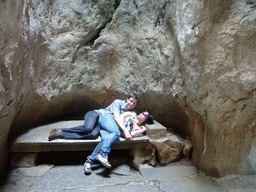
<point>103,163</point>
<point>87,172</point>
<point>55,135</point>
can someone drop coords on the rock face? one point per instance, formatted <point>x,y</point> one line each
<point>192,62</point>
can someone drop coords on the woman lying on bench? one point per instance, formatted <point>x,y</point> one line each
<point>134,123</point>
<point>110,132</point>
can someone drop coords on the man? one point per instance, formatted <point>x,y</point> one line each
<point>90,129</point>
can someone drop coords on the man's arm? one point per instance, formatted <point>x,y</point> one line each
<point>120,121</point>
<point>126,114</point>
<point>138,132</point>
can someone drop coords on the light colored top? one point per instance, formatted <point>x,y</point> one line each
<point>116,106</point>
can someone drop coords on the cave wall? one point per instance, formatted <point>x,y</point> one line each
<point>192,62</point>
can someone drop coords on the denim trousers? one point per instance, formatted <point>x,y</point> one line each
<point>109,132</point>
<point>89,130</point>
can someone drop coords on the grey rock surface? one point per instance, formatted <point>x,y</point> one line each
<point>192,62</point>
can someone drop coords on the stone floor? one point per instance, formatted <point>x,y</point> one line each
<point>177,177</point>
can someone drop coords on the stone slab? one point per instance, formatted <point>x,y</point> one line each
<point>36,140</point>
<point>245,183</point>
<point>156,130</point>
<point>171,172</point>
<point>36,171</point>
<point>72,177</point>
<point>180,178</point>
<point>191,184</point>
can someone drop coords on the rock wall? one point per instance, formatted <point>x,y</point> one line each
<point>192,62</point>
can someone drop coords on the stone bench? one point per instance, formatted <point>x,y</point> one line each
<point>25,147</point>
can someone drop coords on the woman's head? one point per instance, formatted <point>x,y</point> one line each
<point>146,118</point>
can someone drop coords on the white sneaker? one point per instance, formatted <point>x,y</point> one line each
<point>87,168</point>
<point>103,161</point>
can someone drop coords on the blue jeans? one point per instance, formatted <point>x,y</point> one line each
<point>109,132</point>
<point>90,129</point>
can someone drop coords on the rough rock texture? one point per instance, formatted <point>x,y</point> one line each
<point>192,61</point>
<point>167,151</point>
<point>145,155</point>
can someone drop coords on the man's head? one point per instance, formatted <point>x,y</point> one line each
<point>131,101</point>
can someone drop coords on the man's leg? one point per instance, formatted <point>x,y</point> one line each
<point>108,124</point>
<point>90,159</point>
<point>90,121</point>
<point>92,135</point>
<point>87,131</point>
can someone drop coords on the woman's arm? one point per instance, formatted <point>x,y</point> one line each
<point>138,132</point>
<point>120,121</point>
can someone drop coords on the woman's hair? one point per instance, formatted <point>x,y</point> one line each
<point>150,119</point>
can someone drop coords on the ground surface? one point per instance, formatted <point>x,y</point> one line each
<point>179,176</point>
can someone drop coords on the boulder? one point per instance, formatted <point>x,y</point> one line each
<point>162,151</point>
<point>167,151</point>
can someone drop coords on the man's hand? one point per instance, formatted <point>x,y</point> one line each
<point>120,121</point>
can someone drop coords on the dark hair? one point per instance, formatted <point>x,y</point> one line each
<point>134,95</point>
<point>150,119</point>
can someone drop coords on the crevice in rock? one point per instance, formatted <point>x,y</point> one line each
<point>117,4</point>
<point>90,42</point>
<point>177,48</point>
<point>97,35</point>
<point>161,13</point>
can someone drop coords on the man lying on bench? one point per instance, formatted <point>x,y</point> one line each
<point>90,129</point>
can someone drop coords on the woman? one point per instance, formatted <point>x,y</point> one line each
<point>134,123</point>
